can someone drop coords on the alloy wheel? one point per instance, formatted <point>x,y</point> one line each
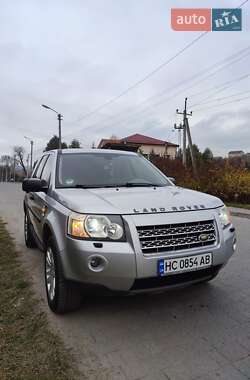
<point>50,276</point>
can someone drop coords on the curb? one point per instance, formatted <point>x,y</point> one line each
<point>241,213</point>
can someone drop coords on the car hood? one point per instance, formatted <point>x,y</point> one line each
<point>135,200</point>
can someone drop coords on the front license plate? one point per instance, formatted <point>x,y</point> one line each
<point>184,264</point>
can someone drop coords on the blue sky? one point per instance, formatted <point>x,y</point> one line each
<point>75,55</point>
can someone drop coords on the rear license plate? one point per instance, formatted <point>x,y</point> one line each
<point>184,264</point>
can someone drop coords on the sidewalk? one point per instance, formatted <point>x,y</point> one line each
<point>241,212</point>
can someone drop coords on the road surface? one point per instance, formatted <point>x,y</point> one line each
<point>201,332</point>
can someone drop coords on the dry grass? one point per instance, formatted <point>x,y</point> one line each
<point>28,348</point>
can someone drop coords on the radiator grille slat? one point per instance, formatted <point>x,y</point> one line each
<point>174,237</point>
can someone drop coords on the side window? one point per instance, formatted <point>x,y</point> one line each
<point>36,168</point>
<point>46,173</point>
<point>40,166</point>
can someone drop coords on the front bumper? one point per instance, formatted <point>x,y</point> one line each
<point>125,268</point>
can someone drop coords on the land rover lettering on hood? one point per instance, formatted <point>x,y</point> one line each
<point>110,220</point>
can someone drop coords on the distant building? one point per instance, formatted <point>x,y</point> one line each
<point>236,154</point>
<point>247,158</point>
<point>144,144</point>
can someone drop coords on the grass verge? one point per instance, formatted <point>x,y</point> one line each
<point>28,348</point>
<point>239,205</point>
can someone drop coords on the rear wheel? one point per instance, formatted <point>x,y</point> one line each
<point>62,295</point>
<point>28,236</point>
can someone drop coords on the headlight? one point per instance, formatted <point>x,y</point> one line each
<point>96,227</point>
<point>224,216</point>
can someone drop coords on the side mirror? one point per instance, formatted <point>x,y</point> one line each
<point>34,185</point>
<point>172,179</point>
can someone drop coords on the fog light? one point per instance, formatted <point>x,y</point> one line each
<point>97,263</point>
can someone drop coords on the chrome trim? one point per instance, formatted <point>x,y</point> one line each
<point>176,237</point>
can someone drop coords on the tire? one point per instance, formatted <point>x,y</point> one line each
<point>62,295</point>
<point>28,236</point>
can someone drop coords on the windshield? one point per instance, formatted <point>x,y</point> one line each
<point>106,170</point>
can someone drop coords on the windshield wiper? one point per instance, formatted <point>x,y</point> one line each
<point>140,184</point>
<point>93,186</point>
<point>86,186</point>
<point>127,184</point>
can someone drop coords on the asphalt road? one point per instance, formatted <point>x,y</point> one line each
<point>200,332</point>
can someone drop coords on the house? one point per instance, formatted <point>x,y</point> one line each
<point>236,154</point>
<point>141,143</point>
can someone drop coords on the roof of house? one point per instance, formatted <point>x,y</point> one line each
<point>145,140</point>
<point>236,152</point>
<point>103,142</point>
<point>117,145</point>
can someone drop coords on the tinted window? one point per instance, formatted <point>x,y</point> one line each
<point>46,173</point>
<point>106,169</point>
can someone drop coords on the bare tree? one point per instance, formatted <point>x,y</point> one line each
<point>19,152</point>
<point>6,162</point>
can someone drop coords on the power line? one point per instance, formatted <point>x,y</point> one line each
<point>241,5</point>
<point>222,87</point>
<point>223,104</point>
<point>149,109</point>
<point>178,85</point>
<point>204,108</point>
<point>224,62</point>
<point>150,74</point>
<point>223,98</point>
<point>220,69</point>
<point>177,93</point>
<point>227,63</point>
<point>228,82</point>
<point>158,68</point>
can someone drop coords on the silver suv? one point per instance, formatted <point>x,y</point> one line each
<point>110,220</point>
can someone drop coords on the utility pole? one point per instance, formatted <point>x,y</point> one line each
<point>187,134</point>
<point>185,114</point>
<point>59,117</point>
<point>14,168</point>
<point>193,159</point>
<point>31,155</point>
<point>27,165</point>
<point>179,128</point>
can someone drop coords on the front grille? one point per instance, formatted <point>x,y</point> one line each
<point>175,279</point>
<point>175,237</point>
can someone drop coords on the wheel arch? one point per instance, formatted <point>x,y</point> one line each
<point>24,206</point>
<point>48,232</point>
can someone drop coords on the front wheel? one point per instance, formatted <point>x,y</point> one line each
<point>62,295</point>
